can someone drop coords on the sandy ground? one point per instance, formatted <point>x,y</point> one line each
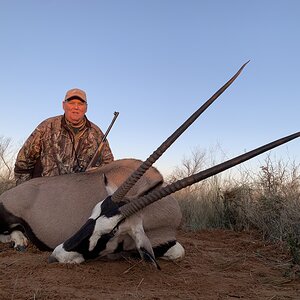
<point>218,265</point>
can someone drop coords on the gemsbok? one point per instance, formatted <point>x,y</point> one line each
<point>122,207</point>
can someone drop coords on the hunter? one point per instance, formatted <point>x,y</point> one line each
<point>63,144</point>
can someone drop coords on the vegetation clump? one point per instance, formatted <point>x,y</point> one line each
<point>6,164</point>
<point>267,200</point>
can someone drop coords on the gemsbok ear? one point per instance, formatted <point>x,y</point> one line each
<point>109,186</point>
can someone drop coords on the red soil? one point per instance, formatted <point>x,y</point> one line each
<point>218,265</point>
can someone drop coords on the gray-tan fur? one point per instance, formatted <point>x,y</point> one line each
<point>56,207</point>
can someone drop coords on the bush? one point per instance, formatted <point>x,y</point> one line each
<point>268,202</point>
<point>6,164</point>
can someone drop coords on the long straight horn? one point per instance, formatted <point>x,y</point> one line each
<point>136,175</point>
<point>139,203</point>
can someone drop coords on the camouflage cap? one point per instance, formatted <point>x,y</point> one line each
<point>75,94</point>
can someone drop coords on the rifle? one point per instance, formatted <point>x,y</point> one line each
<point>100,147</point>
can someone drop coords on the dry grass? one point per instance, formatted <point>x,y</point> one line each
<point>7,157</point>
<point>268,201</point>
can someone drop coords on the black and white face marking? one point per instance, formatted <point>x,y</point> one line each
<point>91,240</point>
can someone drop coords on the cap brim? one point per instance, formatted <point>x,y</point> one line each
<point>75,97</point>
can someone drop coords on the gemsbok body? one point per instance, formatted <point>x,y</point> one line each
<point>122,207</point>
<point>50,209</point>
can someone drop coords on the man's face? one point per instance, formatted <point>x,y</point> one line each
<point>75,110</point>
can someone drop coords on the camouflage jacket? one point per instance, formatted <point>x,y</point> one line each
<point>54,149</point>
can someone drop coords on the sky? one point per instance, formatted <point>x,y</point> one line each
<point>155,62</point>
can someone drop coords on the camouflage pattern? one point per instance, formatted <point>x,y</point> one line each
<point>54,149</point>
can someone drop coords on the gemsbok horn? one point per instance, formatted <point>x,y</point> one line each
<point>136,175</point>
